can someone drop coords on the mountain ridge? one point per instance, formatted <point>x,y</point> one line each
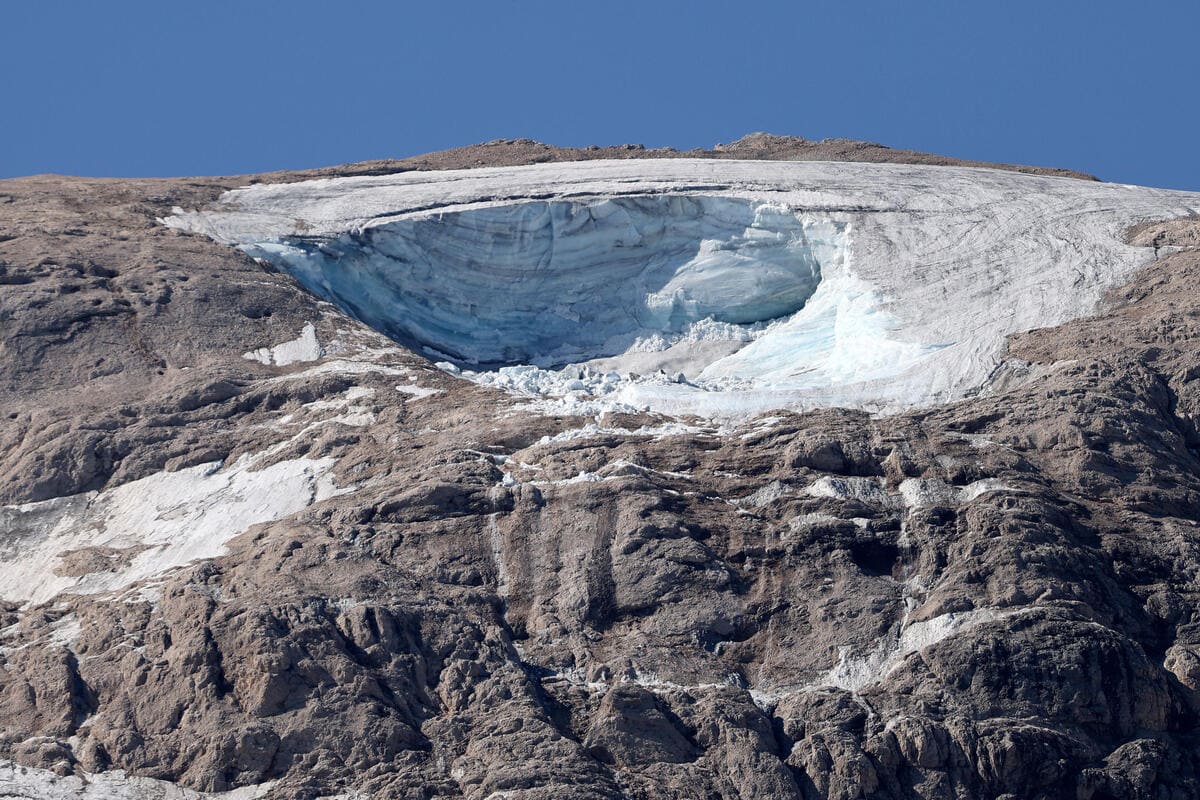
<point>988,598</point>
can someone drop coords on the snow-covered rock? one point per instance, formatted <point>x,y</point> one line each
<point>28,782</point>
<point>305,347</point>
<point>146,527</point>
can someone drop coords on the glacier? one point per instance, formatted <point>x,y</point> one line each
<point>552,283</point>
<point>716,288</point>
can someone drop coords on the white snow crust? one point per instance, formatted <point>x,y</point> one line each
<point>854,673</point>
<point>710,287</point>
<point>42,784</point>
<point>914,493</point>
<point>162,521</point>
<point>305,347</point>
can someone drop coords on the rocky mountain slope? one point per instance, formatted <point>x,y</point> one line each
<point>252,547</point>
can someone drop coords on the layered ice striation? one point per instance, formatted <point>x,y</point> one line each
<point>549,283</point>
<point>690,286</point>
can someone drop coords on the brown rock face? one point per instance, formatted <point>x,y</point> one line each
<point>758,146</point>
<point>433,606</point>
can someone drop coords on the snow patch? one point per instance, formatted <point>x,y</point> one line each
<point>160,522</point>
<point>306,347</point>
<point>615,470</point>
<point>343,366</point>
<point>854,674</point>
<point>801,521</point>
<point>867,490</point>
<point>353,414</point>
<point>41,784</point>
<point>416,392</point>
<point>595,429</point>
<point>924,492</point>
<point>913,493</point>
<point>762,496</point>
<point>646,679</point>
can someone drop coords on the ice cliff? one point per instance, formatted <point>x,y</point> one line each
<point>551,283</point>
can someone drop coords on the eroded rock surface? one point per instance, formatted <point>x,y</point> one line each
<point>430,591</point>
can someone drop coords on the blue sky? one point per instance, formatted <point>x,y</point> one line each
<point>127,87</point>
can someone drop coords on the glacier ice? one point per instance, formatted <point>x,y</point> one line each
<point>549,283</point>
<point>708,287</point>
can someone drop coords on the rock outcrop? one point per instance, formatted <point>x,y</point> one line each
<point>403,584</point>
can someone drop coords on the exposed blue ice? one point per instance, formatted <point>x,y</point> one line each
<point>555,282</point>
